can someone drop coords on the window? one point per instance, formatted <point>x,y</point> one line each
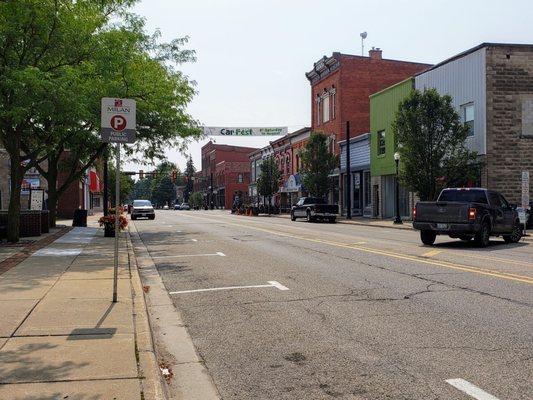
<point>318,110</point>
<point>333,102</point>
<point>239,178</point>
<point>463,195</point>
<point>494,199</point>
<point>467,111</point>
<point>288,165</point>
<point>325,108</point>
<point>381,142</point>
<point>297,167</point>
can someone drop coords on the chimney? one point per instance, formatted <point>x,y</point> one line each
<point>375,53</point>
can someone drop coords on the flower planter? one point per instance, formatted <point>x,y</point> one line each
<point>109,230</point>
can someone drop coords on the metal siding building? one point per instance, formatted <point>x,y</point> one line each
<point>359,153</point>
<point>465,80</point>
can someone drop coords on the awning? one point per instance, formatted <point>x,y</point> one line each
<point>94,182</point>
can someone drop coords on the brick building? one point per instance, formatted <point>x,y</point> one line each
<point>492,89</point>
<point>225,174</point>
<point>340,90</point>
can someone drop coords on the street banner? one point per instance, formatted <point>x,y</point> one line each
<point>525,189</point>
<point>245,131</point>
<point>118,120</point>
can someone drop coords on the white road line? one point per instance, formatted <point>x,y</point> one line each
<point>218,253</point>
<point>194,240</point>
<point>273,284</point>
<point>470,389</point>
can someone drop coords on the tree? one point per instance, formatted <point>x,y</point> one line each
<point>142,189</point>
<point>317,164</point>
<point>431,143</point>
<point>189,175</point>
<point>59,59</point>
<point>268,181</point>
<point>126,186</point>
<point>195,200</point>
<point>164,192</point>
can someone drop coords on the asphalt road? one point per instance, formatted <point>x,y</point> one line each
<point>369,313</point>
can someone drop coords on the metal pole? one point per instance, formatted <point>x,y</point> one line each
<point>106,180</point>
<point>398,219</point>
<point>117,222</point>
<point>348,176</point>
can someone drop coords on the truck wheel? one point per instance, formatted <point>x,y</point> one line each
<point>308,216</point>
<point>293,218</point>
<point>515,236</point>
<point>428,237</point>
<point>483,236</point>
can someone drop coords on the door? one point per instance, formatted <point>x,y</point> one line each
<point>356,194</point>
<point>508,215</point>
<point>498,220</point>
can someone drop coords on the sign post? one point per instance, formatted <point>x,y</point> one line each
<point>525,195</point>
<point>117,126</point>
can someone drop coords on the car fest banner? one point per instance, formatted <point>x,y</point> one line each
<point>246,131</point>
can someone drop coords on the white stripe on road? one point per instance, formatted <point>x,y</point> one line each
<point>273,284</point>
<point>470,389</point>
<point>194,240</point>
<point>218,253</point>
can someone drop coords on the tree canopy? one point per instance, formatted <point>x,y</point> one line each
<point>317,164</point>
<point>60,57</point>
<point>432,145</point>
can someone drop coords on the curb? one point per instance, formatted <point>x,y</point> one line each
<point>152,385</point>
<point>189,379</point>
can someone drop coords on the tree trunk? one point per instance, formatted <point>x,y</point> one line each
<point>53,195</point>
<point>269,204</point>
<point>13,217</point>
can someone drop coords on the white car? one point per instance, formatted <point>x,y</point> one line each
<point>165,207</point>
<point>142,208</point>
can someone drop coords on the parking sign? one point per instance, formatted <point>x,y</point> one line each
<point>118,120</point>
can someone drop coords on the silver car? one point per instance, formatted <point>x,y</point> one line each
<point>142,209</point>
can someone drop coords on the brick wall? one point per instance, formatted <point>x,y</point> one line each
<point>509,136</point>
<point>355,80</point>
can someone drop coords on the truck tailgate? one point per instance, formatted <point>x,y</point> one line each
<point>442,212</point>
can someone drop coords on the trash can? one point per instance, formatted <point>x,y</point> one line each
<point>80,218</point>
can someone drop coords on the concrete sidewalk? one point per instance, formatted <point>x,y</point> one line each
<point>60,334</point>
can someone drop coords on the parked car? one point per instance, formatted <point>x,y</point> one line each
<point>185,206</point>
<point>313,208</point>
<point>142,208</point>
<point>165,207</point>
<point>177,207</point>
<point>467,213</point>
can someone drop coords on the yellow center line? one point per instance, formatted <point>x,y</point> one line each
<point>445,264</point>
<point>431,253</point>
<point>448,252</point>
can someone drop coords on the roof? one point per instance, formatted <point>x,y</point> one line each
<point>392,86</point>
<point>473,49</point>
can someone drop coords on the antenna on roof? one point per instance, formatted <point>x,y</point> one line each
<point>363,37</point>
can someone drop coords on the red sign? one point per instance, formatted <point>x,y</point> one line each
<point>94,182</point>
<point>118,123</point>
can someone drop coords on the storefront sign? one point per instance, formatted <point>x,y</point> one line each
<point>30,183</point>
<point>246,131</point>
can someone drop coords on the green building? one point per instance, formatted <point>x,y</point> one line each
<point>383,108</point>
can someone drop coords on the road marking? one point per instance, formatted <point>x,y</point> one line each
<point>273,284</point>
<point>194,240</point>
<point>218,253</point>
<point>444,264</point>
<point>470,389</point>
<point>431,253</point>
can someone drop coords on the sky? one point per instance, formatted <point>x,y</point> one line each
<point>252,55</point>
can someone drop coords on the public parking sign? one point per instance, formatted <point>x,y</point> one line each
<point>118,120</point>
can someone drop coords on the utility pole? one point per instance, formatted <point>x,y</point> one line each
<point>348,174</point>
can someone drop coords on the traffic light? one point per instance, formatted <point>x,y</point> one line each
<point>141,174</point>
<point>174,176</point>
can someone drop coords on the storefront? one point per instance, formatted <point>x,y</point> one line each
<point>359,175</point>
<point>290,192</point>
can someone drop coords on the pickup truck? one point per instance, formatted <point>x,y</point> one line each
<point>313,208</point>
<point>467,213</point>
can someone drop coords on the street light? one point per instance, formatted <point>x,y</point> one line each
<point>398,219</point>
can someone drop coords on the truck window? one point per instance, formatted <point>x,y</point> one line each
<point>463,196</point>
<point>314,200</point>
<point>494,199</point>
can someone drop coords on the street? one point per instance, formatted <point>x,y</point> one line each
<point>299,310</point>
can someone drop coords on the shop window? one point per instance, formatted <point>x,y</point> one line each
<point>467,111</point>
<point>333,97</point>
<point>381,142</point>
<point>318,109</point>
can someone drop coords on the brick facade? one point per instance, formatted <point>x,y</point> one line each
<point>509,117</point>
<point>353,79</point>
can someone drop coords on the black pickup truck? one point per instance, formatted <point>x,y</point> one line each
<point>313,208</point>
<point>467,213</point>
